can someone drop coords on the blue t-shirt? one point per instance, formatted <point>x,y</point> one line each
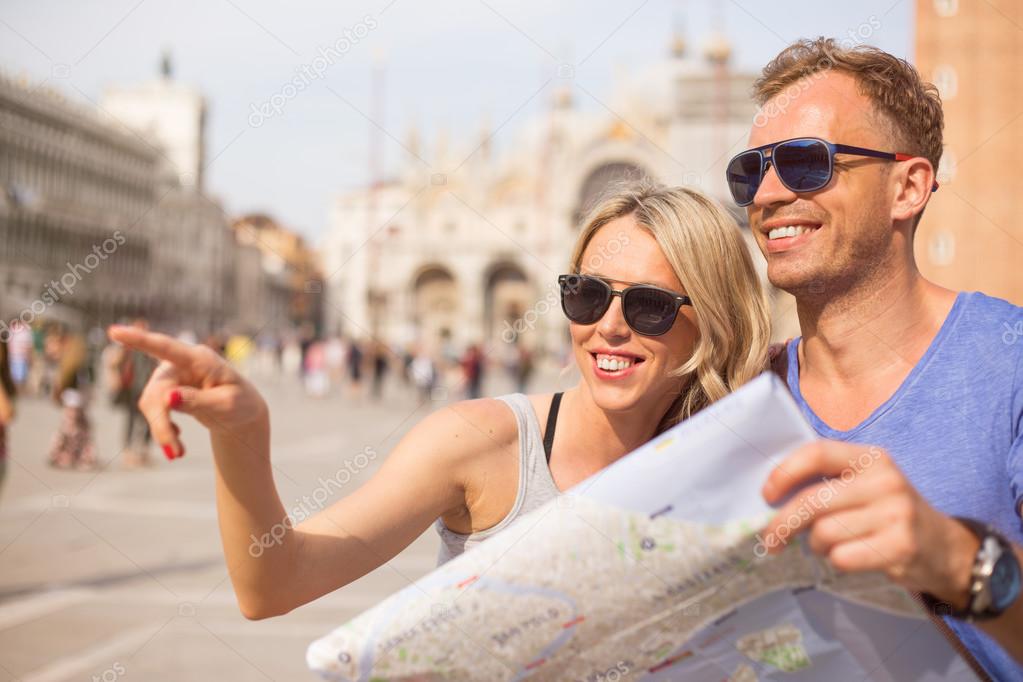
<point>955,428</point>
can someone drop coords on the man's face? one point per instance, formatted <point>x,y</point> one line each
<point>844,229</point>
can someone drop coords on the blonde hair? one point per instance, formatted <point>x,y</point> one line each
<point>706,251</point>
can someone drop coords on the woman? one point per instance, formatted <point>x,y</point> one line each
<point>649,357</point>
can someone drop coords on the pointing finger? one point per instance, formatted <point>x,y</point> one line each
<point>159,346</point>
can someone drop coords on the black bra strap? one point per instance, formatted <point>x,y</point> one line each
<point>552,420</point>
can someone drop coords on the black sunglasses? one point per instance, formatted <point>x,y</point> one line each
<point>803,164</point>
<point>648,310</point>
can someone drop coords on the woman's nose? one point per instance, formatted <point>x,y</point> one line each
<point>613,324</point>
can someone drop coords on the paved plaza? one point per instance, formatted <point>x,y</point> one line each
<point>119,573</point>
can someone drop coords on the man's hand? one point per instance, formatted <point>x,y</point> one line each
<point>863,515</point>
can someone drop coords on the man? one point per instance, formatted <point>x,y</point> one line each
<point>917,395</point>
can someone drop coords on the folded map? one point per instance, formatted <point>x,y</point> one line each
<point>651,569</point>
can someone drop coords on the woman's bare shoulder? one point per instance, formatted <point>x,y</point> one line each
<point>541,403</point>
<point>470,428</point>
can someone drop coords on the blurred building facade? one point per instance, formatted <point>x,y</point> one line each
<point>103,217</point>
<point>76,211</point>
<point>469,247</point>
<point>278,281</point>
<point>168,111</point>
<point>971,236</point>
<point>193,256</point>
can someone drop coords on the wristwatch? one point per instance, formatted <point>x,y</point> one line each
<point>994,579</point>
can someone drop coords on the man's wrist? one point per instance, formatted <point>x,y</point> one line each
<point>994,578</point>
<point>960,553</point>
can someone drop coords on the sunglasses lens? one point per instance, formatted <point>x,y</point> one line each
<point>584,299</point>
<point>743,176</point>
<point>649,311</point>
<point>803,165</point>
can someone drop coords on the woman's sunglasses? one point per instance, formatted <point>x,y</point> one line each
<point>648,310</point>
<point>803,164</point>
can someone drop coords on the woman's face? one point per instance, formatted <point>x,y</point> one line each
<point>621,252</point>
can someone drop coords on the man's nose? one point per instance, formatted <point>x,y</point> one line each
<point>772,191</point>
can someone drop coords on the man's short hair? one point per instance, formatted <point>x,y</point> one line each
<point>904,103</point>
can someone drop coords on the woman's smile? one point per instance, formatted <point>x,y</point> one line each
<point>614,366</point>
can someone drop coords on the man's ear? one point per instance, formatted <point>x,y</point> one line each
<point>914,180</point>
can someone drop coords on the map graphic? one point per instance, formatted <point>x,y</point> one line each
<point>652,569</point>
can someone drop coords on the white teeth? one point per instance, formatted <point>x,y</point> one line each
<point>789,231</point>
<point>613,363</point>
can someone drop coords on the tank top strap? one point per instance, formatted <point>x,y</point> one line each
<point>535,487</point>
<point>552,423</point>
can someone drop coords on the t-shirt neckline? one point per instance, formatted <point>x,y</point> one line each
<point>820,426</point>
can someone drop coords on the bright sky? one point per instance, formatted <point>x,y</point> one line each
<point>447,63</point>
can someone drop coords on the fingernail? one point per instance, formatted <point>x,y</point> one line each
<point>168,451</point>
<point>174,399</point>
<point>182,453</point>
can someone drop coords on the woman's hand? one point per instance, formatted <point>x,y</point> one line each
<point>194,380</point>
<point>274,564</point>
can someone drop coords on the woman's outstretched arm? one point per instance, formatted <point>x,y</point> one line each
<point>275,567</point>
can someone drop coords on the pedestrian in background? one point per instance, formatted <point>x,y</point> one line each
<point>19,353</point>
<point>523,367</point>
<point>472,371</point>
<point>355,358</point>
<point>72,446</point>
<point>380,365</point>
<point>424,372</point>
<point>132,372</point>
<point>316,381</point>
<point>334,353</point>
<point>7,392</point>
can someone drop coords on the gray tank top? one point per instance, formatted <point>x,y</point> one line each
<point>536,486</point>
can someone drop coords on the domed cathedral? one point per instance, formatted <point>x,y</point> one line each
<point>467,249</point>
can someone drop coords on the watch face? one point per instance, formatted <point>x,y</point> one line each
<point>1005,582</point>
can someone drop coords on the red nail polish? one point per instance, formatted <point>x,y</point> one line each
<point>174,399</point>
<point>168,450</point>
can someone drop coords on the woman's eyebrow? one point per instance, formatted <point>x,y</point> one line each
<point>659,285</point>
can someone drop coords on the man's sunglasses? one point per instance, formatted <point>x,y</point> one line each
<point>803,164</point>
<point>648,310</point>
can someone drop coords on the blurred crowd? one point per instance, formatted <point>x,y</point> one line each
<point>73,369</point>
<point>359,368</point>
